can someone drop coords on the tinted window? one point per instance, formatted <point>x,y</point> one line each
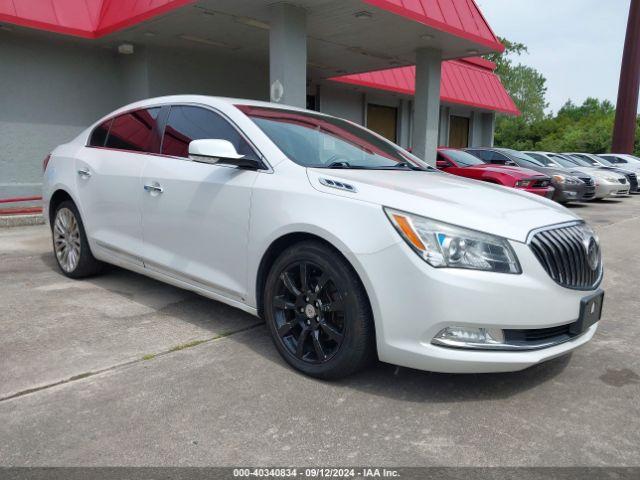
<point>187,123</point>
<point>320,141</point>
<point>614,159</point>
<point>99,134</point>
<point>133,130</point>
<point>482,154</point>
<point>463,159</point>
<point>541,158</point>
<point>564,161</point>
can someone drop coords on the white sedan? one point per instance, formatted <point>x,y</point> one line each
<point>348,246</point>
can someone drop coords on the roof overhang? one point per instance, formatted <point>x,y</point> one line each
<point>344,36</point>
<point>470,82</point>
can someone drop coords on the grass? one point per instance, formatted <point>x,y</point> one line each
<point>182,346</point>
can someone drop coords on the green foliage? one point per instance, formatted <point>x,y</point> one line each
<point>585,128</point>
<point>525,84</point>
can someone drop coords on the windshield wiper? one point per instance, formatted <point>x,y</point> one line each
<point>345,165</point>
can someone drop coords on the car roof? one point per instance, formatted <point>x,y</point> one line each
<point>210,100</point>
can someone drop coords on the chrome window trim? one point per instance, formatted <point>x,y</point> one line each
<point>261,156</point>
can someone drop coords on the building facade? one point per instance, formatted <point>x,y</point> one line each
<point>406,69</point>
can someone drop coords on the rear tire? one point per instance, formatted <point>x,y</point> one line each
<point>318,312</point>
<point>70,245</point>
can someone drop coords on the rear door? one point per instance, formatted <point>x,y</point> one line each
<point>195,216</point>
<point>109,182</point>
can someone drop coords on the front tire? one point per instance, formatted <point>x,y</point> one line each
<point>318,312</point>
<point>70,244</point>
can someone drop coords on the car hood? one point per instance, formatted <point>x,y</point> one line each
<point>597,172</point>
<point>550,171</point>
<point>468,203</point>
<point>518,172</point>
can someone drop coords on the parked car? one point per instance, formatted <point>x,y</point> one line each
<point>608,183</point>
<point>623,160</point>
<point>463,164</point>
<point>589,159</point>
<point>569,186</point>
<point>344,243</point>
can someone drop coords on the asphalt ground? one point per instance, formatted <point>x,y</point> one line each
<point>124,370</point>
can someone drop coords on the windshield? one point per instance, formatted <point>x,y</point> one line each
<point>463,159</point>
<point>523,159</point>
<point>320,141</point>
<point>580,161</point>
<point>565,162</point>
<point>541,158</point>
<point>604,162</point>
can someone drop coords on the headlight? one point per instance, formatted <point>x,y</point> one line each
<point>567,179</point>
<point>611,179</point>
<point>524,183</point>
<point>442,245</point>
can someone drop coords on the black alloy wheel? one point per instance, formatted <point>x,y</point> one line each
<point>318,313</point>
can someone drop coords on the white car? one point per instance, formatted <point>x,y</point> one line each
<point>607,183</point>
<point>344,243</point>
<point>623,160</point>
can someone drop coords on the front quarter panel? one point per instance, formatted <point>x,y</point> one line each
<point>286,203</point>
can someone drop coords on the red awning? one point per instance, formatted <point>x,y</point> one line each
<point>83,18</point>
<point>467,82</point>
<point>461,18</point>
<point>96,18</point>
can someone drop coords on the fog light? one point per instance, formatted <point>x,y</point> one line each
<point>469,337</point>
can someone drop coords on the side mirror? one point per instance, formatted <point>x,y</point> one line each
<point>443,164</point>
<point>218,151</point>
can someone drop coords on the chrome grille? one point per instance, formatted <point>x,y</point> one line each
<point>589,189</point>
<point>570,255</point>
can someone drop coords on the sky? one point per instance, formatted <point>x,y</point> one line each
<point>576,44</point>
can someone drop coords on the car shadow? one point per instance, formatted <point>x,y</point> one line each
<point>380,379</point>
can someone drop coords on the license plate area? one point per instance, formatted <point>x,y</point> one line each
<point>590,313</point>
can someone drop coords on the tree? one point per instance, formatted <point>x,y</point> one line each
<point>525,84</point>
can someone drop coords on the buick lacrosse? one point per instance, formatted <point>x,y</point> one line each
<point>347,245</point>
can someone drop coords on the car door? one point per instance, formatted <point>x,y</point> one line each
<point>109,184</point>
<point>195,216</point>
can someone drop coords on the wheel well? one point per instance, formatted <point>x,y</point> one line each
<point>279,246</point>
<point>57,198</point>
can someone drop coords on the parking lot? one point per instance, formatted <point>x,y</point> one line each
<point>123,370</point>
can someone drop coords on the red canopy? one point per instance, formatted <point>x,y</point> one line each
<point>467,82</point>
<point>461,18</point>
<point>83,18</point>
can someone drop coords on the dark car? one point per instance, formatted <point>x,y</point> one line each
<point>568,184</point>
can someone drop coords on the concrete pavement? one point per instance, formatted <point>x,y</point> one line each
<point>123,370</point>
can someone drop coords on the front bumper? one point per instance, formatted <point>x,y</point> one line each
<point>610,189</point>
<point>546,192</point>
<point>569,193</point>
<point>412,302</point>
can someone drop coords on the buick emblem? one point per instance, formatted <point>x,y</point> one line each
<point>591,247</point>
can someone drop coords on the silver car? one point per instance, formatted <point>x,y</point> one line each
<point>608,183</point>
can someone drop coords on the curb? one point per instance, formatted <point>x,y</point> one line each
<point>21,220</point>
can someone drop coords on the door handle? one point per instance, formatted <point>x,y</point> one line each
<point>84,173</point>
<point>153,188</point>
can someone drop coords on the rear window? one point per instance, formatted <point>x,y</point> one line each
<point>133,131</point>
<point>99,134</point>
